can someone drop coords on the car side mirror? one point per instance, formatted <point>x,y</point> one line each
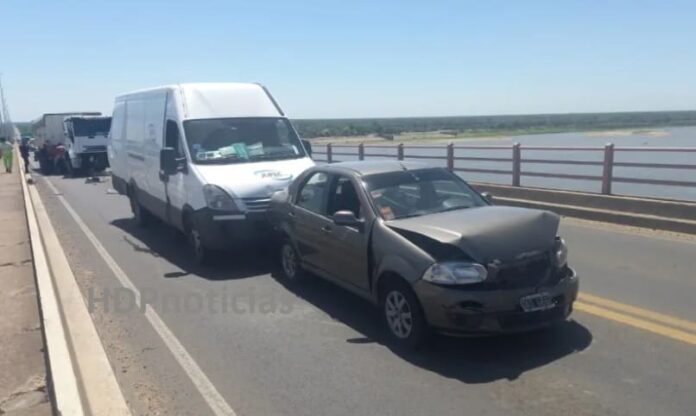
<point>308,146</point>
<point>346,219</point>
<point>169,164</point>
<point>487,196</point>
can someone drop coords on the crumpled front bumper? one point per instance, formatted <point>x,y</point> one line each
<point>460,311</point>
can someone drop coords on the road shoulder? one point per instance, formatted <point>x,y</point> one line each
<point>22,364</point>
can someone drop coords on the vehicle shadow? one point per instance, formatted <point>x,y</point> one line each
<point>160,240</point>
<point>471,360</point>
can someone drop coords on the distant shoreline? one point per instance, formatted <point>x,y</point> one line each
<point>436,137</point>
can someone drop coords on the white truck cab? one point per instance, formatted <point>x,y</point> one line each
<point>205,158</point>
<point>86,146</point>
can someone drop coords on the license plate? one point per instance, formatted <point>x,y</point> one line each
<point>537,302</point>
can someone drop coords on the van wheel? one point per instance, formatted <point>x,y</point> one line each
<point>290,263</point>
<point>141,215</point>
<point>403,314</point>
<point>201,254</point>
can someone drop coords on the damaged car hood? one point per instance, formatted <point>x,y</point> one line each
<point>488,233</point>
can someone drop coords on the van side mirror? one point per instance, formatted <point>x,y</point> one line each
<point>308,146</point>
<point>169,165</point>
<point>487,196</point>
<point>346,219</point>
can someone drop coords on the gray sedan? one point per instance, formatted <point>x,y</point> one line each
<point>432,252</point>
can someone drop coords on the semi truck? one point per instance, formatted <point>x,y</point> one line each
<point>71,142</point>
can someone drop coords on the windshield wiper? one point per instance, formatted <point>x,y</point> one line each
<point>220,161</point>
<point>275,156</point>
<point>453,208</point>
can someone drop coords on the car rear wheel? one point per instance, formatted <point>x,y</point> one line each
<point>403,314</point>
<point>290,263</point>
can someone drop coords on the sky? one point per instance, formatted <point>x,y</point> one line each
<point>343,59</point>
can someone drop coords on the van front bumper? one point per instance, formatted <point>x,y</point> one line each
<point>223,230</point>
<point>458,311</point>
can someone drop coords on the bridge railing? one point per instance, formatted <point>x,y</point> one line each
<point>517,158</point>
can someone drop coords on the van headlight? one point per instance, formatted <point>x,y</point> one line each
<point>216,198</point>
<point>561,251</point>
<point>455,273</point>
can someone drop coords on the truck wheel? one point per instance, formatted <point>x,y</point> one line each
<point>141,215</point>
<point>201,254</point>
<point>290,263</point>
<point>71,171</point>
<point>403,315</point>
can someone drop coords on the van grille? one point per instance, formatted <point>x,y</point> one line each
<point>257,204</point>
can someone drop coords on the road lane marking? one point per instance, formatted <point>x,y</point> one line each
<point>655,328</point>
<point>205,387</point>
<point>639,312</point>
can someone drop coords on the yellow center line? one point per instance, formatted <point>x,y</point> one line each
<point>639,312</point>
<point>636,322</point>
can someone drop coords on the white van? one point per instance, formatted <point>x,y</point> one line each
<point>204,158</point>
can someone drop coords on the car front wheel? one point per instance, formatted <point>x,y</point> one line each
<point>403,315</point>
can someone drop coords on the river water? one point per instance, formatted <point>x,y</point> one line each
<point>661,137</point>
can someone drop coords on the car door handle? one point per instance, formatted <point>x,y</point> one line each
<point>291,214</point>
<point>326,229</point>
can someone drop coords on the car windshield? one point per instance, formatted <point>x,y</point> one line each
<point>412,193</point>
<point>238,140</point>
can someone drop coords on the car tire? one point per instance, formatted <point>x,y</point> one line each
<point>403,315</point>
<point>202,254</point>
<point>141,215</point>
<point>290,267</point>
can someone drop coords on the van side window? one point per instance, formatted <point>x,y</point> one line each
<point>171,137</point>
<point>312,194</point>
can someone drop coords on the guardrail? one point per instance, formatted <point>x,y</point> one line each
<point>514,155</point>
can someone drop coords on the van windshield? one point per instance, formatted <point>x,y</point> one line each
<point>239,140</point>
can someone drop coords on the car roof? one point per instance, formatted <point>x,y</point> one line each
<point>372,167</point>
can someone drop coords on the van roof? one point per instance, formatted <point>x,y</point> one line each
<point>221,99</point>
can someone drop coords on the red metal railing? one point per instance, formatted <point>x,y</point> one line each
<point>516,161</point>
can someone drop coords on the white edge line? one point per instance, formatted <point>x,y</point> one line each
<point>66,394</point>
<point>205,387</point>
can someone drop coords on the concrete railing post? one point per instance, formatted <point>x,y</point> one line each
<point>361,151</point>
<point>400,151</point>
<point>608,171</point>
<point>516,164</point>
<point>450,157</point>
<point>328,153</point>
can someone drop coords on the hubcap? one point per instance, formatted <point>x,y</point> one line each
<point>289,261</point>
<point>398,313</point>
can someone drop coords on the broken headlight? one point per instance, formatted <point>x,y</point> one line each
<point>455,273</point>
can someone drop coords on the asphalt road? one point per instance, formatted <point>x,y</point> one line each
<point>629,349</point>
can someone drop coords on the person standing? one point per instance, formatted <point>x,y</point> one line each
<point>24,152</point>
<point>6,150</point>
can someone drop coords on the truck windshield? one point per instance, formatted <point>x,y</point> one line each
<point>91,127</point>
<point>239,140</point>
<point>412,193</point>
